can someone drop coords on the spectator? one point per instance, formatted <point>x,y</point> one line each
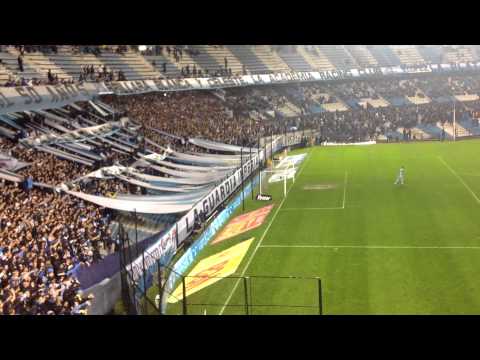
<point>20,63</point>
<point>50,76</point>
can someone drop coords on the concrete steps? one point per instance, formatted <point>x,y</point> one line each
<point>270,57</point>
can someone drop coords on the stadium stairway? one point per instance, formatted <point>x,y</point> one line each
<point>316,60</point>
<point>362,55</point>
<point>418,100</point>
<point>396,134</point>
<point>398,101</point>
<point>431,130</point>
<point>431,54</point>
<point>210,60</point>
<point>420,134</point>
<point>294,60</point>
<point>336,106</point>
<point>245,54</point>
<point>317,109</point>
<point>145,68</point>
<point>172,68</point>
<point>376,103</point>
<point>186,60</point>
<point>219,53</point>
<point>472,127</point>
<point>384,55</point>
<point>466,97</point>
<point>461,130</point>
<point>408,55</point>
<point>270,57</point>
<point>338,56</point>
<point>353,103</point>
<point>289,110</point>
<point>306,56</point>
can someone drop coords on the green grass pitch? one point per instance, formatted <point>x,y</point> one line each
<point>378,248</point>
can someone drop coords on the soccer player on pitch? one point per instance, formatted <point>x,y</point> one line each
<point>400,177</point>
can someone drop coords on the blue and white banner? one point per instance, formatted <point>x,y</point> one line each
<point>30,98</point>
<point>201,210</point>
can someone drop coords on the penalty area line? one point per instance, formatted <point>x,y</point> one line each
<point>344,189</point>
<point>460,179</point>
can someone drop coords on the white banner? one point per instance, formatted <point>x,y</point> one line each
<point>48,97</point>
<point>23,98</point>
<point>167,243</point>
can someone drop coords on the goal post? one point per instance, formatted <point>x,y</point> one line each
<point>280,174</point>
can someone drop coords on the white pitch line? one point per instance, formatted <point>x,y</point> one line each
<point>459,178</point>
<point>467,174</point>
<point>261,239</point>
<point>344,189</point>
<point>296,209</point>
<point>368,247</point>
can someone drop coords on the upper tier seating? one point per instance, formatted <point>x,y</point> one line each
<point>294,60</point>
<point>408,55</point>
<point>459,55</point>
<point>338,56</point>
<point>134,66</point>
<point>317,60</point>
<point>384,55</point>
<point>4,74</point>
<point>10,61</point>
<point>67,62</point>
<point>172,69</point>
<point>431,54</point>
<point>270,57</point>
<point>246,55</point>
<point>362,55</point>
<point>212,58</point>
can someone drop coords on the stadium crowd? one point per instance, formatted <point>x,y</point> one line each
<point>44,235</point>
<point>229,118</point>
<point>196,115</point>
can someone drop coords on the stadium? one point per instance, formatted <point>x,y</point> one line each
<point>239,179</point>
